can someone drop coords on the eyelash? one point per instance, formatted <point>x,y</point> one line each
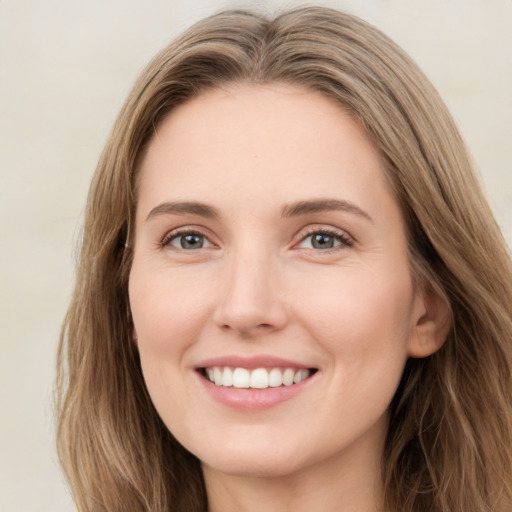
<point>343,238</point>
<point>173,235</point>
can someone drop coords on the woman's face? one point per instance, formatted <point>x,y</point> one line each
<point>268,248</point>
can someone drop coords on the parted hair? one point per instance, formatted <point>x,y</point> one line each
<point>449,444</point>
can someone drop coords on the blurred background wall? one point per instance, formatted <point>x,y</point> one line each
<point>65,69</point>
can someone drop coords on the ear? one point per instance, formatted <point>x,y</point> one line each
<point>433,319</point>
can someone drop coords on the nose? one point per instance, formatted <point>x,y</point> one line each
<point>252,301</point>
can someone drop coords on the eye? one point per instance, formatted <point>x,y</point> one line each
<point>324,240</point>
<point>186,240</point>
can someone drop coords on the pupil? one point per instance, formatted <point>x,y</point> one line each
<point>191,242</point>
<point>322,241</point>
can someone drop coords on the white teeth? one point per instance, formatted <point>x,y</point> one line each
<point>227,377</point>
<point>288,376</point>
<point>300,376</point>
<point>217,376</point>
<point>259,378</point>
<point>241,378</point>
<point>275,378</point>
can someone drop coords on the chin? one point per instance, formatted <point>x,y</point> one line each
<point>257,467</point>
<point>253,460</point>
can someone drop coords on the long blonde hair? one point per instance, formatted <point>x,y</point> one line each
<point>449,445</point>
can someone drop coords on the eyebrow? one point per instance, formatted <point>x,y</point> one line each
<point>183,208</point>
<point>291,210</point>
<point>322,205</point>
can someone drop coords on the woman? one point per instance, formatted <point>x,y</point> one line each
<point>291,293</point>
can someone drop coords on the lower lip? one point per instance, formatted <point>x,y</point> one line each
<point>247,399</point>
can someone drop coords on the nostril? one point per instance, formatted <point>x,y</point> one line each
<point>248,332</point>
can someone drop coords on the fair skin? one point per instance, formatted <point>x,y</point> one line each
<point>267,237</point>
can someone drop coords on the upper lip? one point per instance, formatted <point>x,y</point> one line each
<point>260,361</point>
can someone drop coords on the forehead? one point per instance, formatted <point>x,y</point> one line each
<point>270,113</point>
<point>242,142</point>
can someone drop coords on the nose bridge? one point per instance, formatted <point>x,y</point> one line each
<point>252,300</point>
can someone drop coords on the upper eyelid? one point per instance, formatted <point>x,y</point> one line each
<point>300,235</point>
<point>183,230</point>
<point>319,228</point>
<point>347,241</point>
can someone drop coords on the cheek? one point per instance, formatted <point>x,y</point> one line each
<point>363,320</point>
<point>168,317</point>
<point>167,313</point>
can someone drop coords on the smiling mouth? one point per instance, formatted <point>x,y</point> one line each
<point>257,378</point>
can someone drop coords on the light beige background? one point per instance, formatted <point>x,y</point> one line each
<point>65,68</point>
